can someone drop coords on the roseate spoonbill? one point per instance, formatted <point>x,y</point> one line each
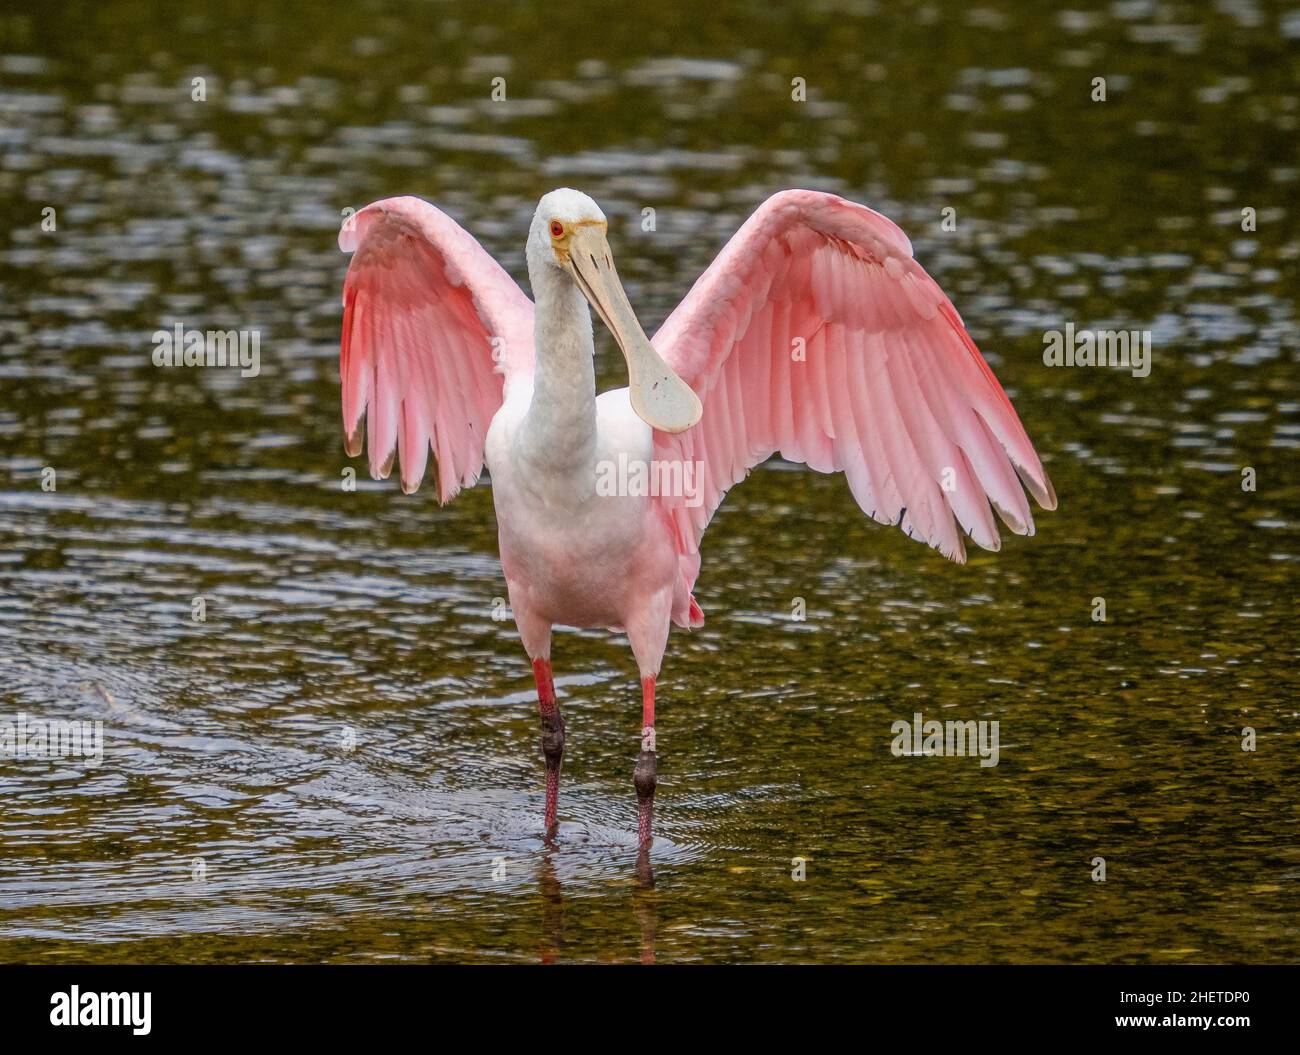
<point>814,333</point>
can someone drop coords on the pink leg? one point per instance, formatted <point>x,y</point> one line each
<point>647,633</point>
<point>552,739</point>
<point>646,764</point>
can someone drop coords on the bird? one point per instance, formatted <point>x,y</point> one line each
<point>814,335</point>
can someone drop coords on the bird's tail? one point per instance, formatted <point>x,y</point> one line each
<point>697,614</point>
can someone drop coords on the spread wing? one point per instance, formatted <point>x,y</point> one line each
<point>814,333</point>
<point>434,331</point>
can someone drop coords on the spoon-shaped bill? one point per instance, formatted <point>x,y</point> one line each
<point>660,398</point>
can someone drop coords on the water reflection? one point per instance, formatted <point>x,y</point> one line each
<point>552,910</point>
<point>645,905</point>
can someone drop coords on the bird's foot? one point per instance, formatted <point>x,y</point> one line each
<point>644,777</point>
<point>553,751</point>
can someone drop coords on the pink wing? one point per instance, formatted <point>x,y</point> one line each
<point>815,333</point>
<point>433,331</point>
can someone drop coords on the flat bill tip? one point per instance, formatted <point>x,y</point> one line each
<point>667,404</point>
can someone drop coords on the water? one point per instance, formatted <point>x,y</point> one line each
<point>335,764</point>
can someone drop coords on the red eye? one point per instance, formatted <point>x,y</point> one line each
<point>557,229</point>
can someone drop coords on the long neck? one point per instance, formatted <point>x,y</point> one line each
<point>560,426</point>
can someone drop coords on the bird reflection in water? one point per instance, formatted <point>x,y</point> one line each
<point>645,906</point>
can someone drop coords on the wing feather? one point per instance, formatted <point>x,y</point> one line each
<point>891,389</point>
<point>434,332</point>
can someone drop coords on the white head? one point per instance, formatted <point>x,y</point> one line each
<point>570,234</point>
<point>568,208</point>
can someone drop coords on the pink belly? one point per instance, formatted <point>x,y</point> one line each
<point>587,578</point>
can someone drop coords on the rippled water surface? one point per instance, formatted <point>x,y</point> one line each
<point>342,761</point>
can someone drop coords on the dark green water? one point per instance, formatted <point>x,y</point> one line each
<point>370,612</point>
